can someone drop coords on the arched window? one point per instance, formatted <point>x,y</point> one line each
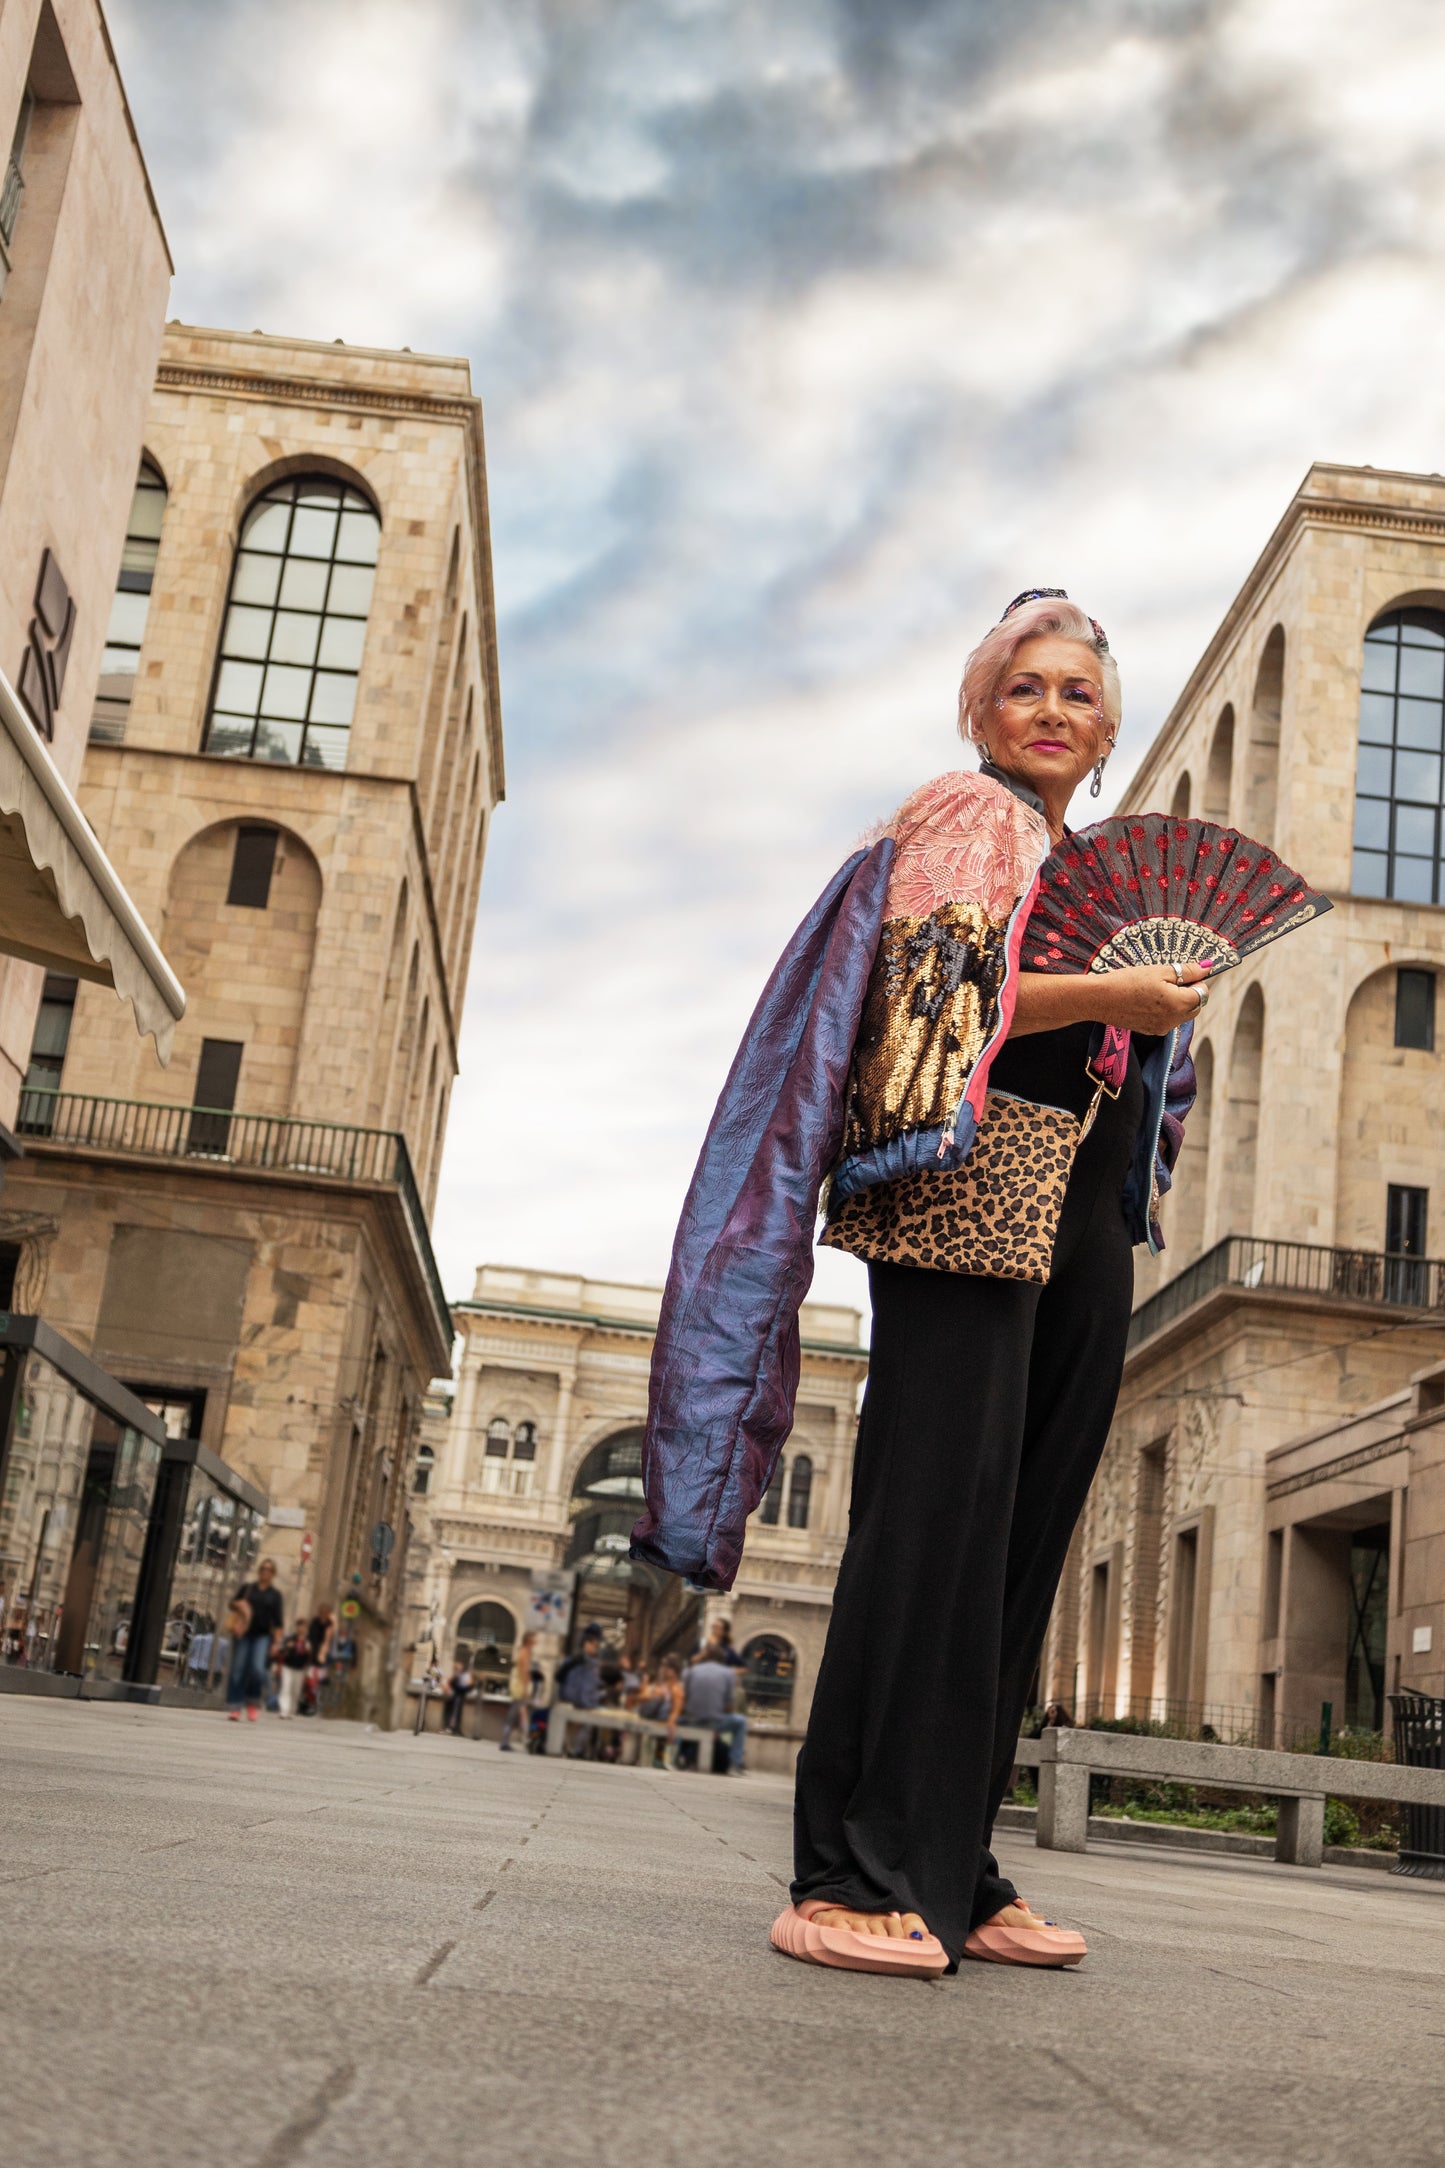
<point>1179,803</point>
<point>485,1638</point>
<point>508,1458</point>
<point>130,606</point>
<point>422,1473</point>
<point>295,624</point>
<point>1189,1198</point>
<point>1397,780</point>
<point>607,1497</point>
<point>1246,1064</point>
<point>1262,780</point>
<point>770,1664</point>
<point>772,1503</point>
<point>1219,775</point>
<point>800,1491</point>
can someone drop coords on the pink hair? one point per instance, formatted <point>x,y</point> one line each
<point>992,659</point>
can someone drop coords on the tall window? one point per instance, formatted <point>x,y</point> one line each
<point>1415,1009</point>
<point>295,625</point>
<point>1397,786</point>
<point>129,608</point>
<point>218,1073</point>
<point>421,1476</point>
<point>47,1055</point>
<point>1407,1220</point>
<point>13,186</point>
<point>800,1491</point>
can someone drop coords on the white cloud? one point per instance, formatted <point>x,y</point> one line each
<point>807,337</point>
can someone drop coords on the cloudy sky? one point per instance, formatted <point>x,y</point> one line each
<point>809,331</point>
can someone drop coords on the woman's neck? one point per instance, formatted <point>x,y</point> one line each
<point>1053,812</point>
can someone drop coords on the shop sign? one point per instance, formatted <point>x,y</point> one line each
<point>42,668</point>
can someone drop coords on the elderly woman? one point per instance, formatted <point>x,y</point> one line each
<point>996,1144</point>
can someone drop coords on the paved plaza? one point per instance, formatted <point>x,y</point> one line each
<point>246,1947</point>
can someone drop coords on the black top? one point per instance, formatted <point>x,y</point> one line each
<point>267,1614</point>
<point>1050,1067</point>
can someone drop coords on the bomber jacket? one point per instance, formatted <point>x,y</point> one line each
<point>866,1058</point>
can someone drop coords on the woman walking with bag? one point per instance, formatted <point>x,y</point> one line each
<point>997,1145</point>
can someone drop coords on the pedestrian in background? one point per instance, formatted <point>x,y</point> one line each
<point>519,1692</point>
<point>459,1687</point>
<point>720,1645</point>
<point>579,1681</point>
<point>660,1701</point>
<point>295,1663</point>
<point>255,1627</point>
<point>709,1699</point>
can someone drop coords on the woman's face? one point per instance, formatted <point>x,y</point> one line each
<point>1046,725</point>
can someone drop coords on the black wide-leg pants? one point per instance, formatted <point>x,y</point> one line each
<point>987,1407</point>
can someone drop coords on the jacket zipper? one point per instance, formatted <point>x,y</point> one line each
<point>985,1052</point>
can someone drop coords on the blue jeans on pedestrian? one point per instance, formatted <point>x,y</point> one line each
<point>735,1730</point>
<point>250,1664</point>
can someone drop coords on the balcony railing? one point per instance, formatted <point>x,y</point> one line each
<point>220,1137</point>
<point>1301,1268</point>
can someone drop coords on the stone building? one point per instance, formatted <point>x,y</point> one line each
<point>295,750</point>
<point>536,1475</point>
<point>1267,1532</point>
<point>84,274</point>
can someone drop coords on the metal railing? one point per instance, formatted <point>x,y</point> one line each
<point>11,191</point>
<point>222,1137</point>
<point>1307,1268</point>
<point>1227,1724</point>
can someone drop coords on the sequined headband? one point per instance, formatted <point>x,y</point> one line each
<point>1054,594</point>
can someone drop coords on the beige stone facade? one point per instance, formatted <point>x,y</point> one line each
<point>273,1256</point>
<point>558,1365</point>
<point>84,273</point>
<point>1318,1143</point>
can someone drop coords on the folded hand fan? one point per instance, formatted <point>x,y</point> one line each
<point>1147,889</point>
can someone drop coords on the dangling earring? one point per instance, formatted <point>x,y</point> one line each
<point>1098,783</point>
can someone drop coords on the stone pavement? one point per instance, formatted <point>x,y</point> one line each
<point>248,1947</point>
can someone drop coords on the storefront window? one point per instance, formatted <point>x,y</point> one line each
<point>75,1497</point>
<point>220,1539</point>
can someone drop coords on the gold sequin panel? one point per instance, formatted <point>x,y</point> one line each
<point>931,1004</point>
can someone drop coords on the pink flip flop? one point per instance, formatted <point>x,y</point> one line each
<point>996,1943</point>
<point>797,1934</point>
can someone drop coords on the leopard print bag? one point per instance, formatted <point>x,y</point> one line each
<point>994,1217</point>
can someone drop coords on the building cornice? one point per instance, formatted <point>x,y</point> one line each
<point>1306,509</point>
<point>277,390</point>
<point>524,1314</point>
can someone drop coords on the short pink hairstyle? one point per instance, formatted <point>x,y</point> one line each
<point>992,659</point>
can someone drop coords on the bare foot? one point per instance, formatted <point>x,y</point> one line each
<point>1018,1914</point>
<point>897,1924</point>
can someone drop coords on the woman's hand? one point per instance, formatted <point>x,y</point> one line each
<point>1148,997</point>
<point>1143,997</point>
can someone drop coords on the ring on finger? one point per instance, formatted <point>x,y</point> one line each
<point>1178,970</point>
<point>1203,994</point>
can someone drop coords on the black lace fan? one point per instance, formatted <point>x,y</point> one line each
<point>1147,889</point>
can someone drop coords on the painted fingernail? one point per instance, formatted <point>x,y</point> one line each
<point>914,1935</point>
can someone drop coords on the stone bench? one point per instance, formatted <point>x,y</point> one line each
<point>563,1715</point>
<point>1066,1759</point>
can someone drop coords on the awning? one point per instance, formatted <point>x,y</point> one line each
<point>61,903</point>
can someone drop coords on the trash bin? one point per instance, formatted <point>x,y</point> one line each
<point>1420,1744</point>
